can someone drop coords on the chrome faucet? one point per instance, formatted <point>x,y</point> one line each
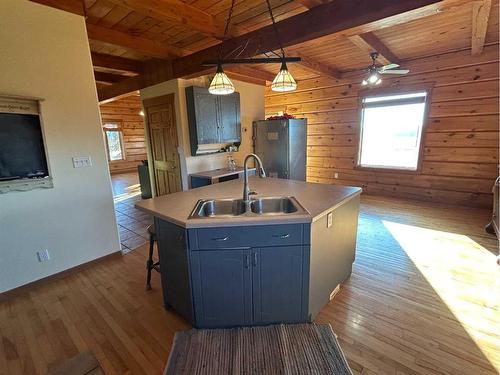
<point>262,173</point>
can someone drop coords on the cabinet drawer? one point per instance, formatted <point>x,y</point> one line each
<point>246,237</point>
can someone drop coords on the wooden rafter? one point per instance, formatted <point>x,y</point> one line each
<point>344,17</point>
<point>311,3</point>
<point>117,63</point>
<point>369,43</point>
<point>108,77</point>
<point>260,74</point>
<point>142,45</point>
<point>176,12</point>
<point>480,16</point>
<point>318,67</point>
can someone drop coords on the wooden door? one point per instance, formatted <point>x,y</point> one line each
<point>278,284</point>
<point>222,287</point>
<point>160,116</point>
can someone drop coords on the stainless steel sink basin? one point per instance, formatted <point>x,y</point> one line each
<point>219,207</point>
<point>276,206</point>
<point>212,208</point>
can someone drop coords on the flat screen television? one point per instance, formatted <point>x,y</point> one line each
<point>22,152</point>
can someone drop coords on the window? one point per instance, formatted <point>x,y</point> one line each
<point>114,142</point>
<point>391,130</point>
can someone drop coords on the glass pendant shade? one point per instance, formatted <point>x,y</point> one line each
<point>283,80</point>
<point>221,84</point>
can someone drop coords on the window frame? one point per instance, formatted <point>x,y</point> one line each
<point>118,128</point>
<point>388,91</point>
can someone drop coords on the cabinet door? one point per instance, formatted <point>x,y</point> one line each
<point>172,250</point>
<point>222,288</point>
<point>278,285</point>
<point>205,106</point>
<point>230,124</point>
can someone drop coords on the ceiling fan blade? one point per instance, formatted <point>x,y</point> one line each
<point>387,67</point>
<point>395,71</point>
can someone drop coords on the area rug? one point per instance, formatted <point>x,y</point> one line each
<point>279,349</point>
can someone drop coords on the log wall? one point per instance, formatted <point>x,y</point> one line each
<point>460,157</point>
<point>126,112</point>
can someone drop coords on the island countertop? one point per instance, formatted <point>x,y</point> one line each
<point>316,199</point>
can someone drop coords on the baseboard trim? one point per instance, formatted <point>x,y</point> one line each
<point>9,294</point>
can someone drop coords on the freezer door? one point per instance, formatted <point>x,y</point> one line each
<point>271,145</point>
<point>297,131</point>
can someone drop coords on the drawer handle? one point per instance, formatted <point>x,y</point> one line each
<point>220,239</point>
<point>281,235</point>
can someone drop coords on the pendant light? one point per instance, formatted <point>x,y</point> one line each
<point>283,81</point>
<point>221,84</point>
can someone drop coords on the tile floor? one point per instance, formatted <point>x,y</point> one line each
<point>132,223</point>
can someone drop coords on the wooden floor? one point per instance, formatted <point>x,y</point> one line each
<point>422,299</point>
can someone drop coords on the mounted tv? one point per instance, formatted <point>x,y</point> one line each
<point>22,151</point>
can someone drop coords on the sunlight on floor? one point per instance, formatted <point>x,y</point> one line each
<point>132,191</point>
<point>464,275</point>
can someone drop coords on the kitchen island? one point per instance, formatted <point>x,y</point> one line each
<point>254,267</point>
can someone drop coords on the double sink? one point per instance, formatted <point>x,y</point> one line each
<point>232,207</point>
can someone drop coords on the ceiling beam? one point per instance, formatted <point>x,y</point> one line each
<point>108,77</point>
<point>317,67</point>
<point>311,3</point>
<point>71,6</point>
<point>117,63</point>
<point>370,43</point>
<point>480,16</point>
<point>176,12</point>
<point>139,44</point>
<point>341,17</point>
<point>248,71</point>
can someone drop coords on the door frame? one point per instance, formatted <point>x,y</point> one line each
<point>146,103</point>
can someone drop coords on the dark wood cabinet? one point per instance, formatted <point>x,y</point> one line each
<point>212,118</point>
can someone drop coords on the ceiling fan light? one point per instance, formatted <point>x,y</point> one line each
<point>283,80</point>
<point>221,84</point>
<point>374,78</point>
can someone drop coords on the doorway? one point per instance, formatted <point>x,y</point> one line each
<point>163,142</point>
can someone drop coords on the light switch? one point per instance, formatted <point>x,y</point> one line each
<point>329,220</point>
<point>81,161</point>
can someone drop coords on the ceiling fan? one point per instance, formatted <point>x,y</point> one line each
<point>374,71</point>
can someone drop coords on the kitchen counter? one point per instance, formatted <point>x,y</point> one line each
<point>316,199</point>
<point>220,172</point>
<point>255,269</point>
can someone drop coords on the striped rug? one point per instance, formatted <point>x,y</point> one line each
<point>279,349</point>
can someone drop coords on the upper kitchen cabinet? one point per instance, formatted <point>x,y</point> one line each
<point>212,118</point>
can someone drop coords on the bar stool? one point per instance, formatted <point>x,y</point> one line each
<point>150,264</point>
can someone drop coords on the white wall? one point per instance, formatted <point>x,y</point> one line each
<point>45,54</point>
<point>251,109</point>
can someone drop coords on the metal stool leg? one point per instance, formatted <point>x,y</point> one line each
<point>149,262</point>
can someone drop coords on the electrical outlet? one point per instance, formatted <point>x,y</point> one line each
<point>336,175</point>
<point>81,161</point>
<point>329,220</point>
<point>43,255</point>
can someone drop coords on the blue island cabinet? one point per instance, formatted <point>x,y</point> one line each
<point>236,276</point>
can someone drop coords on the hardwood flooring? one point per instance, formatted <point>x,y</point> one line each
<point>422,299</point>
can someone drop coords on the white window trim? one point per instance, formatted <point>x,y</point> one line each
<point>387,92</point>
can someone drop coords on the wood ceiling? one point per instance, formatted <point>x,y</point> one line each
<point>141,42</point>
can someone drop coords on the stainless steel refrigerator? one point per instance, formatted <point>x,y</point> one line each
<point>281,144</point>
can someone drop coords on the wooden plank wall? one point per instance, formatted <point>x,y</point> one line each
<point>460,144</point>
<point>125,111</point>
